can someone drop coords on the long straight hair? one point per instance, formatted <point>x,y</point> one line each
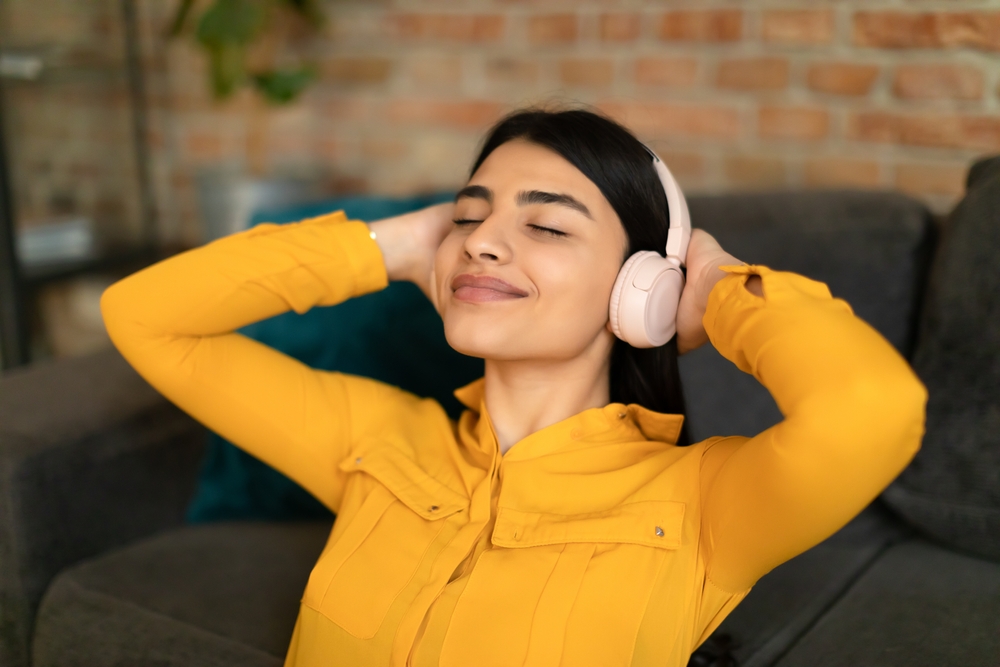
<point>618,164</point>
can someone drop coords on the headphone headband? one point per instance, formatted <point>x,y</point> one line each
<point>679,231</point>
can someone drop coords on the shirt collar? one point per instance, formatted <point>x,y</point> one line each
<point>652,425</point>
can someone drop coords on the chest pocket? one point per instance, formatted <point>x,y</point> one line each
<point>563,589</point>
<point>384,543</point>
<point>653,523</point>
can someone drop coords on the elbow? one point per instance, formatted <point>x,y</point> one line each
<point>110,308</point>
<point>891,412</point>
<point>116,311</point>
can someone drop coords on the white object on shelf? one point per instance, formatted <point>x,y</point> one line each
<point>20,66</point>
<point>56,241</point>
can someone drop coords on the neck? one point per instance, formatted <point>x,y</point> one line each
<point>525,396</point>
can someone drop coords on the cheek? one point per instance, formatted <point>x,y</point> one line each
<point>576,289</point>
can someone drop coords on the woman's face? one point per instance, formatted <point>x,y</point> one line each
<point>527,271</point>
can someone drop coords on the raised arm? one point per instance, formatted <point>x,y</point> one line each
<point>175,321</point>
<point>854,416</point>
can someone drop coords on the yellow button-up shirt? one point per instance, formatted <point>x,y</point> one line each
<point>594,541</point>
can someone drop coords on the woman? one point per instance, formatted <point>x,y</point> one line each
<point>557,522</point>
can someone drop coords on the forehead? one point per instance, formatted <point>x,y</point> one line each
<point>520,165</point>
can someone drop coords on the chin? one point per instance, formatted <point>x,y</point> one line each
<point>476,342</point>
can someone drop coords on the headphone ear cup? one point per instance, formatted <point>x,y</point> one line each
<point>643,304</point>
<point>623,279</point>
<point>661,306</point>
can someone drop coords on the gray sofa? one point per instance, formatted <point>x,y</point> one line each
<point>98,568</point>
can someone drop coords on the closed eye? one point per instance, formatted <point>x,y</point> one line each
<point>547,230</point>
<point>466,221</point>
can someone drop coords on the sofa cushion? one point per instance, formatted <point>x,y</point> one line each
<point>918,606</point>
<point>871,248</point>
<point>221,594</point>
<point>951,491</point>
<point>91,458</point>
<point>787,601</point>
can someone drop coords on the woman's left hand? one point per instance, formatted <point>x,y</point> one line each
<point>704,257</point>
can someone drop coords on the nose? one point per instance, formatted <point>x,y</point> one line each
<point>488,242</point>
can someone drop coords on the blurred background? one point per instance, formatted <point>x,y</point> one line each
<point>132,129</point>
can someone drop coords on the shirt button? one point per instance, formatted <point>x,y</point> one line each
<point>434,508</point>
<point>659,532</point>
<point>621,415</point>
<point>357,461</point>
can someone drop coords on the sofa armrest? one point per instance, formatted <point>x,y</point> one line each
<point>91,457</point>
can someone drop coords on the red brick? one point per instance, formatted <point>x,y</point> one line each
<point>901,30</point>
<point>356,70</point>
<point>683,165</point>
<point>841,172</point>
<point>980,133</point>
<point>449,27</point>
<point>713,122</point>
<point>586,71</point>
<point>675,72</point>
<point>331,148</point>
<point>350,107</point>
<point>619,27</point>
<point>474,114</point>
<point>384,149</point>
<point>552,29</point>
<point>932,81</point>
<point>749,171</point>
<point>512,70</point>
<point>439,71</point>
<point>712,25</point>
<point>842,78</point>
<point>799,123</point>
<point>203,145</point>
<point>938,179</point>
<point>753,74</point>
<point>798,26</point>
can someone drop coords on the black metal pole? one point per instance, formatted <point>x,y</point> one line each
<point>14,346</point>
<point>140,125</point>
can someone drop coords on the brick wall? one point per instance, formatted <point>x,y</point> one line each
<point>735,95</point>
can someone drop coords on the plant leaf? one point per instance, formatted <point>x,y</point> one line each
<point>231,22</point>
<point>283,86</point>
<point>226,68</point>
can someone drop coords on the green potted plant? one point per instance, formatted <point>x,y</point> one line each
<point>247,43</point>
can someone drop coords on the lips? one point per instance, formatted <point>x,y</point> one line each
<point>479,289</point>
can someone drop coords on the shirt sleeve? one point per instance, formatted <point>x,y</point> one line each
<point>175,321</point>
<point>853,418</point>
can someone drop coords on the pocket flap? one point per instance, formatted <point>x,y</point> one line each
<point>407,481</point>
<point>651,523</point>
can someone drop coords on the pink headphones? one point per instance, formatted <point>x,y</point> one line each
<point>644,300</point>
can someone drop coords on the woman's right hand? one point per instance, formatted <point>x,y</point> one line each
<point>410,241</point>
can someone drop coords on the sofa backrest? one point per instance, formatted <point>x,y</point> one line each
<point>871,248</point>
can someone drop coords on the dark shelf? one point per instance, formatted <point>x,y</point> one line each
<point>115,62</point>
<point>124,260</point>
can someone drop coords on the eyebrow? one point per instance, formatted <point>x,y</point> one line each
<point>526,197</point>
<point>475,192</point>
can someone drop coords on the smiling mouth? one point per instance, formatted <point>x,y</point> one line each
<point>479,289</point>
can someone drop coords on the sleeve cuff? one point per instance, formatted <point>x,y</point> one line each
<point>732,288</point>
<point>366,259</point>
